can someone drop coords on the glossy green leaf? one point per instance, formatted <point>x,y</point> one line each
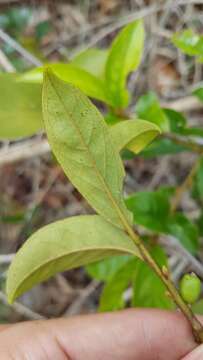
<point>198,93</point>
<point>161,147</point>
<point>103,270</point>
<point>148,108</point>
<point>189,42</point>
<point>112,296</point>
<point>193,131</point>
<point>133,134</point>
<point>199,224</point>
<point>185,231</point>
<point>81,142</point>
<point>85,81</point>
<point>177,121</point>
<point>20,108</point>
<point>64,245</point>
<point>198,180</point>
<point>197,308</point>
<point>15,19</point>
<point>178,124</point>
<point>150,208</point>
<point>124,56</point>
<point>148,289</point>
<point>92,60</point>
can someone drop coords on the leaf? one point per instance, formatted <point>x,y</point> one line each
<point>189,42</point>
<point>199,224</point>
<point>178,124</point>
<point>177,121</point>
<point>64,245</point>
<point>81,142</point>
<point>103,270</point>
<point>13,219</point>
<point>112,119</point>
<point>148,289</point>
<point>124,56</point>
<point>112,296</point>
<point>133,134</point>
<point>193,131</point>
<point>197,308</point>
<point>88,83</point>
<point>198,181</point>
<point>184,230</point>
<point>150,208</point>
<point>148,108</point>
<point>20,108</point>
<point>198,93</point>
<point>92,60</point>
<point>161,147</point>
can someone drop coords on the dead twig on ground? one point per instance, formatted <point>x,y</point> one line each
<point>5,63</point>
<point>19,48</point>
<point>21,309</point>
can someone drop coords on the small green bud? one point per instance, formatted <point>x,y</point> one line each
<point>190,288</point>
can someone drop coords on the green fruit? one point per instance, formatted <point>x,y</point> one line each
<point>190,288</point>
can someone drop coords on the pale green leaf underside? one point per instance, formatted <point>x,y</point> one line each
<point>64,245</point>
<point>92,60</point>
<point>20,108</point>
<point>133,134</point>
<point>85,81</point>
<point>124,56</point>
<point>81,141</point>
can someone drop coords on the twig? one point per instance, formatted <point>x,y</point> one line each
<point>119,23</point>
<point>179,269</point>
<point>20,49</point>
<point>189,2</point>
<point>21,309</point>
<point>191,145</point>
<point>25,150</point>
<point>5,63</point>
<point>187,103</point>
<point>127,19</point>
<point>172,242</point>
<point>82,298</point>
<point>6,259</point>
<point>186,185</point>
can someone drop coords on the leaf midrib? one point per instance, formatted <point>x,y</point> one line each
<point>122,217</point>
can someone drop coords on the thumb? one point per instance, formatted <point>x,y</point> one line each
<point>197,354</point>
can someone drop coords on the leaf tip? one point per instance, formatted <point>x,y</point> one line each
<point>47,72</point>
<point>10,295</point>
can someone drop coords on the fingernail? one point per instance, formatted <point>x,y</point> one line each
<point>197,354</point>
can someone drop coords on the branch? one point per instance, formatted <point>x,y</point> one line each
<point>21,309</point>
<point>20,49</point>
<point>25,150</point>
<point>187,103</point>
<point>6,259</point>
<point>186,185</point>
<point>191,145</point>
<point>171,242</point>
<point>5,63</point>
